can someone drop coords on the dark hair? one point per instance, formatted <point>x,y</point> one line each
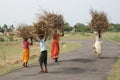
<point>99,33</point>
<point>25,38</point>
<point>41,36</point>
<point>55,31</point>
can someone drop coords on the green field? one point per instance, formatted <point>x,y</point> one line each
<point>78,36</point>
<point>13,50</point>
<point>112,36</point>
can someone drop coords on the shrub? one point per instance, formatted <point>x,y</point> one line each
<point>10,38</point>
<point>2,39</point>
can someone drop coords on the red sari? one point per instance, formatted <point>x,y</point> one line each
<point>55,46</point>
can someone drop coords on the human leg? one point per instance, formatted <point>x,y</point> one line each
<point>45,61</point>
<point>41,62</point>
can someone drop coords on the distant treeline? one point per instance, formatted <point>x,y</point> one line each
<point>6,28</point>
<point>79,27</point>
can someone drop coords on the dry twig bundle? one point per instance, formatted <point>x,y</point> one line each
<point>52,20</point>
<point>47,22</point>
<point>40,29</point>
<point>26,31</point>
<point>99,21</point>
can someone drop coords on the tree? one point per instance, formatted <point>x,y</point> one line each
<point>68,27</point>
<point>114,27</point>
<point>11,27</point>
<point>5,27</point>
<point>79,27</point>
<point>1,29</point>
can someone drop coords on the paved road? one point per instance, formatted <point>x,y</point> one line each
<point>80,64</point>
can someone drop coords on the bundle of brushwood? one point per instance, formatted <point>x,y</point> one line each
<point>48,22</point>
<point>52,20</point>
<point>41,29</point>
<point>99,21</point>
<point>26,31</point>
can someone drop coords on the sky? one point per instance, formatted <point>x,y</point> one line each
<point>24,11</point>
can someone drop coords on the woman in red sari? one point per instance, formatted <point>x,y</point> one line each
<point>55,45</point>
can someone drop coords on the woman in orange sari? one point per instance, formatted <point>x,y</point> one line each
<point>26,52</point>
<point>55,45</point>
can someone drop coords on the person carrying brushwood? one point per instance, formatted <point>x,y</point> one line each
<point>98,43</point>
<point>55,45</point>
<point>99,24</point>
<point>26,51</point>
<point>43,56</point>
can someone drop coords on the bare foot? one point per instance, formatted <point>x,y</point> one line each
<point>41,71</point>
<point>99,56</point>
<point>45,71</point>
<point>23,64</point>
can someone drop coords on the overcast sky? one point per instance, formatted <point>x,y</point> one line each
<point>24,11</point>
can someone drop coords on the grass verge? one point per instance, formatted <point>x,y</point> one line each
<point>115,72</point>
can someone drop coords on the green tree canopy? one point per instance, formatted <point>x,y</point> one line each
<point>79,27</point>
<point>5,27</point>
<point>68,27</point>
<point>114,28</point>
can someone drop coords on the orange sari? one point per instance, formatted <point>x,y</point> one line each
<point>26,55</point>
<point>55,46</point>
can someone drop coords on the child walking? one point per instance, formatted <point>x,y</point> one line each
<point>26,51</point>
<point>43,55</point>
